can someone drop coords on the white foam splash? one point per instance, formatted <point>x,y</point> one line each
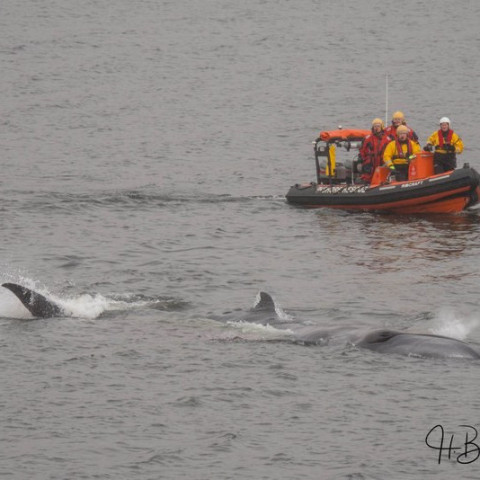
<point>449,324</point>
<point>92,306</point>
<point>257,328</point>
<point>82,306</point>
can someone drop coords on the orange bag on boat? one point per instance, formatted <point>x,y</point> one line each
<point>380,176</point>
<point>347,134</point>
<point>421,166</point>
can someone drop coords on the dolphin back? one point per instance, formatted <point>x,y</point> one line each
<point>418,344</point>
<point>35,303</point>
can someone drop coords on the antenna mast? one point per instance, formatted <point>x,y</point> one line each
<point>386,99</point>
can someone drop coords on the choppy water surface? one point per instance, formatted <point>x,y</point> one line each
<point>146,150</point>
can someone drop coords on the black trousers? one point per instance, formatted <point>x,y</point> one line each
<point>401,173</point>
<point>443,162</point>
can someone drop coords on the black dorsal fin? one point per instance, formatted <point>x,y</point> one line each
<point>265,303</point>
<point>35,303</point>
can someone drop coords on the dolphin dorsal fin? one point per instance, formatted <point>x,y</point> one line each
<point>35,303</point>
<point>265,303</point>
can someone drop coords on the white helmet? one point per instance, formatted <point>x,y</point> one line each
<point>445,120</point>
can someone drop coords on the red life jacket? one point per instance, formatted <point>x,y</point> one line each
<point>441,140</point>
<point>400,153</point>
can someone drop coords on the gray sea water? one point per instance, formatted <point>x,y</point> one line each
<point>146,150</point>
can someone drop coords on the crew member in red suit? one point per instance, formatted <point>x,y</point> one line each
<point>398,118</point>
<point>371,152</point>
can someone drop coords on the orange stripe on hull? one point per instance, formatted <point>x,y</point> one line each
<point>452,205</point>
<point>437,203</point>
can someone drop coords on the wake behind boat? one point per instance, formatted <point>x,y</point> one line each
<point>424,192</point>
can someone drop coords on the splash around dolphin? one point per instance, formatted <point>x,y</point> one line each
<point>383,340</point>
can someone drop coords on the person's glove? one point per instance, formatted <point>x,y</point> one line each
<point>450,148</point>
<point>427,148</point>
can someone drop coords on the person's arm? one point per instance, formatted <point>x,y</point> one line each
<point>457,143</point>
<point>415,148</point>
<point>388,155</point>
<point>431,142</point>
<point>433,139</point>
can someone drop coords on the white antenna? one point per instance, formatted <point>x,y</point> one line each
<point>386,99</point>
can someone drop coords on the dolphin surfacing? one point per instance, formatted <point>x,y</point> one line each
<point>264,312</point>
<point>424,345</point>
<point>34,302</point>
<point>417,344</point>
